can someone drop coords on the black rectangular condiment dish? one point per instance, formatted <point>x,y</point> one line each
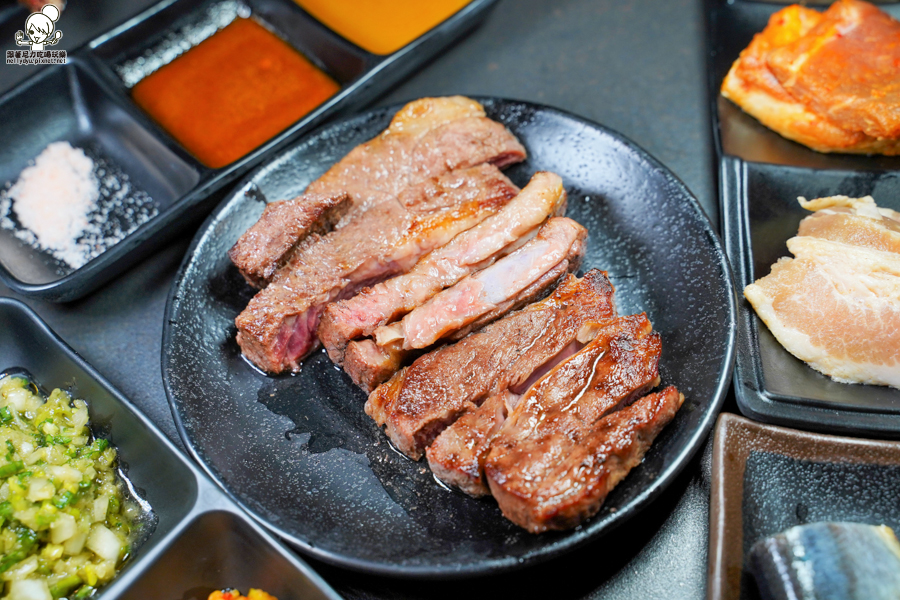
<point>202,541</point>
<point>761,174</point>
<point>87,103</point>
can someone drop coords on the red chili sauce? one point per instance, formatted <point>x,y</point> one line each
<point>233,92</point>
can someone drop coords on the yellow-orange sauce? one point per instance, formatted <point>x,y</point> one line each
<point>233,92</point>
<point>381,26</point>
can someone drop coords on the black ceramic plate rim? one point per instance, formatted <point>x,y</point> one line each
<point>71,286</point>
<point>579,536</point>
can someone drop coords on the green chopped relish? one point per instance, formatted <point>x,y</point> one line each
<point>64,524</point>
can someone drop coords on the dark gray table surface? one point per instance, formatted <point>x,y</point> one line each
<point>636,66</point>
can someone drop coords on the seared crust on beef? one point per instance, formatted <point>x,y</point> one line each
<point>277,329</point>
<point>572,488</point>
<point>418,402</point>
<point>266,246</point>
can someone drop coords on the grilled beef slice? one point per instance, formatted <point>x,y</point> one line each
<point>468,252</point>
<point>266,246</point>
<point>586,376</point>
<point>457,455</point>
<point>559,414</point>
<point>490,290</point>
<point>277,329</point>
<point>425,139</point>
<point>369,364</point>
<point>419,401</point>
<point>572,489</point>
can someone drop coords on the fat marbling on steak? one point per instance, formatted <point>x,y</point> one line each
<point>472,250</point>
<point>419,401</point>
<point>277,329</point>
<point>487,291</point>
<point>369,364</point>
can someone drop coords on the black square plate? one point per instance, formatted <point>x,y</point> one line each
<point>761,174</point>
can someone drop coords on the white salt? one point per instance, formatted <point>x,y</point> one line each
<point>54,197</point>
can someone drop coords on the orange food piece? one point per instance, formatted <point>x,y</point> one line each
<point>847,68</point>
<point>253,594</point>
<point>805,79</point>
<point>384,26</point>
<point>233,92</point>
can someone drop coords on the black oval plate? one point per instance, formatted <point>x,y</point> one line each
<point>299,453</point>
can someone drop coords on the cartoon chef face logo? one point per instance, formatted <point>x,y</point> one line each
<point>40,29</point>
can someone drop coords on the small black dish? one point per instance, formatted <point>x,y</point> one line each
<point>768,479</point>
<point>301,455</point>
<point>201,539</point>
<point>87,103</point>
<point>761,174</point>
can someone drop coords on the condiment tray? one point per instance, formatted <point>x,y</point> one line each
<point>768,479</point>
<point>202,541</point>
<point>87,102</point>
<point>761,174</point>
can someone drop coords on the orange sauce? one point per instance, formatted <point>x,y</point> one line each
<point>233,92</point>
<point>381,26</point>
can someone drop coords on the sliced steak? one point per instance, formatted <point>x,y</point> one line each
<point>266,246</point>
<point>540,494</point>
<point>470,251</point>
<point>457,455</point>
<point>370,365</point>
<point>489,290</point>
<point>419,401</point>
<point>600,376</point>
<point>277,329</point>
<point>426,138</point>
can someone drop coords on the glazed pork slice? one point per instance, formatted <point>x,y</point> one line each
<point>539,493</point>
<point>487,291</point>
<point>810,105</point>
<point>471,250</point>
<point>369,364</point>
<point>835,306</point>
<point>619,363</point>
<point>419,401</point>
<point>277,329</point>
<point>852,37</point>
<point>267,244</point>
<point>425,139</point>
